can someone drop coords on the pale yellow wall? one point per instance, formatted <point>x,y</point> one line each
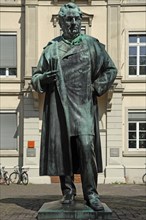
<point>9,102</point>
<point>13,87</point>
<point>133,17</point>
<point>10,18</point>
<point>99,22</point>
<point>135,86</point>
<point>46,31</point>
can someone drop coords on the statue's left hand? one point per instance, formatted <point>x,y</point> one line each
<point>48,77</point>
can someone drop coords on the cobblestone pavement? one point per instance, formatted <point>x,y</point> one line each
<point>18,202</point>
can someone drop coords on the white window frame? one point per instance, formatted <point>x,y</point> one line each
<point>4,152</point>
<point>137,132</point>
<point>14,33</point>
<point>137,44</point>
<point>133,152</point>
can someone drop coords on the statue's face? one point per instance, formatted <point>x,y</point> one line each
<point>71,24</point>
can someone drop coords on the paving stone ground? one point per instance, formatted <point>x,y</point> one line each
<point>19,202</point>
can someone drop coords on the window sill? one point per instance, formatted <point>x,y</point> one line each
<point>9,153</point>
<point>7,77</point>
<point>138,153</point>
<point>132,93</point>
<point>10,80</point>
<point>136,79</point>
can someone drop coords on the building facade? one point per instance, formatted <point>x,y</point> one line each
<point>26,26</point>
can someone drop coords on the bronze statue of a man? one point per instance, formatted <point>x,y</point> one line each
<point>73,70</point>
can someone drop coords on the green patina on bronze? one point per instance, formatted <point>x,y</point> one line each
<point>73,70</point>
<point>78,210</point>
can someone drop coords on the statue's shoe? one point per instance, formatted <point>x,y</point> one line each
<point>94,202</point>
<point>68,198</point>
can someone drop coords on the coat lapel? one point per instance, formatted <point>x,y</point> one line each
<point>68,49</point>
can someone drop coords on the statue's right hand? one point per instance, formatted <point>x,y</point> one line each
<point>48,77</point>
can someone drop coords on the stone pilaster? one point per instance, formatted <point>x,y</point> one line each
<point>114,169</point>
<point>30,99</point>
<point>31,36</point>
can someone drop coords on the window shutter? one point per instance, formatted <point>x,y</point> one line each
<point>137,116</point>
<point>8,131</point>
<point>7,51</point>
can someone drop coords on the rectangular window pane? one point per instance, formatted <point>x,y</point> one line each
<point>132,50</point>
<point>132,126</point>
<point>142,70</point>
<point>132,144</point>
<point>142,135</point>
<point>142,144</point>
<point>7,51</point>
<point>132,135</point>
<point>2,71</point>
<point>143,50</point>
<point>142,126</point>
<point>12,71</point>
<point>83,30</point>
<point>132,39</point>
<point>8,134</point>
<point>132,70</point>
<point>142,38</point>
<point>143,60</point>
<point>132,60</point>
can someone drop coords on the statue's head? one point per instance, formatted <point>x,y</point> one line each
<point>70,17</point>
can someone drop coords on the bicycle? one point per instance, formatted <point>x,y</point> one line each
<point>4,176</point>
<point>19,175</point>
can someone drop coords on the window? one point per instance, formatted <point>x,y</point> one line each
<point>8,131</point>
<point>83,29</point>
<point>137,54</point>
<point>136,130</point>
<point>8,54</point>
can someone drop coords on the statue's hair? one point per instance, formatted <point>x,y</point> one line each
<point>68,6</point>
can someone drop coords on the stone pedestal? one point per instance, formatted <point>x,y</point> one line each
<point>78,210</point>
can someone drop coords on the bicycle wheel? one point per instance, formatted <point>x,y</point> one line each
<point>144,178</point>
<point>14,177</point>
<point>7,179</point>
<point>24,178</point>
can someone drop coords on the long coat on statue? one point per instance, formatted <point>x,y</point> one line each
<point>85,71</point>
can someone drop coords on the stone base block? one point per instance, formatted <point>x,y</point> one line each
<point>77,210</point>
